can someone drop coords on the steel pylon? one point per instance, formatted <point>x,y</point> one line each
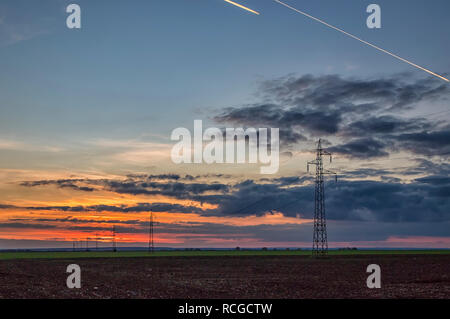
<point>320,239</point>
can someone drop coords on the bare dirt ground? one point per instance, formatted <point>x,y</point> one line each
<point>421,276</point>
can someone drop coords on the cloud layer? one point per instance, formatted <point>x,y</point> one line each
<point>361,116</point>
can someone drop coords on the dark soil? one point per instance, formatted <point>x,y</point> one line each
<point>411,276</point>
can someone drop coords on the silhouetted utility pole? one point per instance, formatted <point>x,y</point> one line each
<point>320,240</point>
<point>114,238</point>
<point>96,241</point>
<point>151,244</point>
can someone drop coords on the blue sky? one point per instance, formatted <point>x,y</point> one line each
<point>151,64</point>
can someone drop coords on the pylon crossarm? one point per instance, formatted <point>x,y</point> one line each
<point>311,163</point>
<point>327,154</point>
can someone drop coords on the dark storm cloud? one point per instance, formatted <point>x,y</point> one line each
<point>426,166</point>
<point>364,172</point>
<point>2,206</point>
<point>291,121</point>
<point>143,207</point>
<point>374,125</point>
<point>356,111</point>
<point>347,200</point>
<point>361,148</point>
<point>384,201</point>
<point>171,185</point>
<point>389,200</point>
<point>435,180</point>
<point>70,219</point>
<point>25,225</point>
<point>435,143</point>
<point>61,183</point>
<point>251,198</point>
<point>178,190</point>
<point>333,90</point>
<point>173,177</point>
<point>290,180</point>
<point>377,144</point>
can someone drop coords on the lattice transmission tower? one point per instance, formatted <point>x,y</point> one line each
<point>114,238</point>
<point>151,244</point>
<point>320,240</point>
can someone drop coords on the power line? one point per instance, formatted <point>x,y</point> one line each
<point>250,205</point>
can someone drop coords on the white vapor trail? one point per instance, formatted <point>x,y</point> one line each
<point>365,42</point>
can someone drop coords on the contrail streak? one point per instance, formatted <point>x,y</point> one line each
<point>365,42</point>
<point>242,7</point>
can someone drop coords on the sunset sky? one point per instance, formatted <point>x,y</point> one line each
<point>86,117</point>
